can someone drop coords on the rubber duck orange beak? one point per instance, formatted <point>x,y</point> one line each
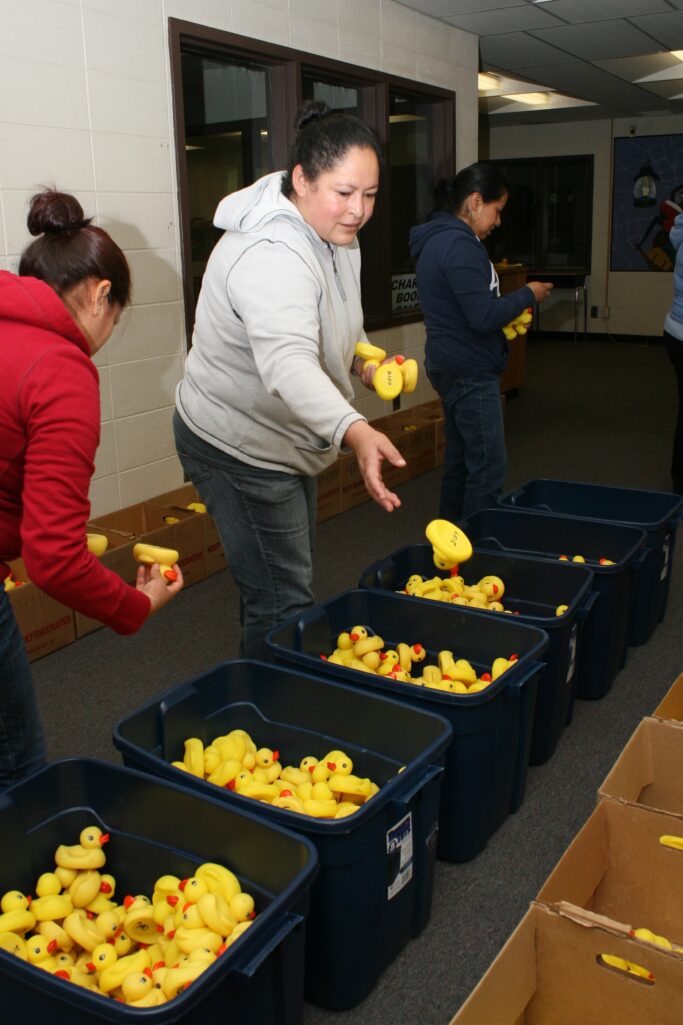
<point>103,839</point>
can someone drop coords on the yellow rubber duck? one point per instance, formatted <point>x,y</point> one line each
<point>102,956</point>
<point>242,906</point>
<point>52,908</point>
<point>165,558</point>
<point>16,916</point>
<point>39,951</point>
<point>97,543</point>
<point>225,772</point>
<point>86,854</point>
<point>82,930</point>
<point>389,662</point>
<point>216,913</point>
<point>112,977</point>
<point>218,879</point>
<point>320,809</point>
<point>13,944</point>
<point>450,544</point>
<point>137,986</point>
<point>139,922</point>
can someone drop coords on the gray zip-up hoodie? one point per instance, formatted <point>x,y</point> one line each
<point>268,377</point>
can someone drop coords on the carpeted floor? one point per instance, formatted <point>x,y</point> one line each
<point>601,412</point>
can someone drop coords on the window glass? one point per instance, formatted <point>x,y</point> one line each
<point>411,179</point>
<point>337,96</point>
<point>227,142</point>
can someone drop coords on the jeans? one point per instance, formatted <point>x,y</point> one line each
<point>475,463</point>
<point>674,348</point>
<point>22,748</point>
<point>266,521</point>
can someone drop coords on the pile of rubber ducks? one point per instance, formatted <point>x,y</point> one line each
<point>602,561</point>
<point>324,788</point>
<point>519,325</point>
<point>143,951</point>
<point>486,594</point>
<point>359,648</point>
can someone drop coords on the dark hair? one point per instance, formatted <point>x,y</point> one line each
<point>450,193</point>
<point>70,249</point>
<point>323,137</point>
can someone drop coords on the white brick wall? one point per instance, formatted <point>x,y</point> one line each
<point>85,104</point>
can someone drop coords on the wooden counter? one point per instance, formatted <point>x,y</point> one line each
<point>511,278</point>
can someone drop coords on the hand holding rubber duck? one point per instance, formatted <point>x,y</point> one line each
<point>159,575</point>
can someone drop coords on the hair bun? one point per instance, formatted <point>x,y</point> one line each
<point>313,110</point>
<point>54,213</point>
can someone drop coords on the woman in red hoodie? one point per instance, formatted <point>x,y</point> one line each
<point>55,315</point>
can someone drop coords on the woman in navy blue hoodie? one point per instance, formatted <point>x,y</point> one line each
<point>464,314</point>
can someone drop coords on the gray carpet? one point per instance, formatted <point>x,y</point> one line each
<point>592,411</point>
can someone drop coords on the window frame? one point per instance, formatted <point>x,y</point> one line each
<point>286,67</point>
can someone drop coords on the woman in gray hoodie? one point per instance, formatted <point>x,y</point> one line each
<point>265,403</point>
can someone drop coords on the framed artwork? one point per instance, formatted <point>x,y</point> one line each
<point>647,194</point>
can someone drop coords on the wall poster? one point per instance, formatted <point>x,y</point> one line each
<point>647,194</point>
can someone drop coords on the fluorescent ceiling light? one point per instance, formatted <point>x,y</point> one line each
<point>678,54</point>
<point>674,71</point>
<point>487,81</point>
<point>532,99</point>
<point>400,118</point>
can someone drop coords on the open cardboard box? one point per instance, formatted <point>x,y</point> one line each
<point>420,431</point>
<point>648,770</point>
<point>119,559</point>
<point>550,972</point>
<point>46,625</point>
<point>147,522</point>
<point>671,705</point>
<point>616,867</point>
<point>214,555</point>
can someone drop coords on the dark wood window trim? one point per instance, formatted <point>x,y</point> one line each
<point>286,66</point>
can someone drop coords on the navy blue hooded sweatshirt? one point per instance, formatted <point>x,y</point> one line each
<point>463,310</point>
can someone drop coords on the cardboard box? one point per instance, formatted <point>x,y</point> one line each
<point>353,491</point>
<point>550,972</point>
<point>145,522</point>
<point>46,625</point>
<point>394,476</point>
<point>616,867</point>
<point>214,554</point>
<point>420,432</point>
<point>329,492</point>
<point>648,771</point>
<point>119,559</point>
<point>671,705</point>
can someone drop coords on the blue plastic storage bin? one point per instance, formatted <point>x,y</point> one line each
<point>658,513</point>
<point>159,828</point>
<point>605,632</point>
<point>534,588</point>
<point>373,892</point>
<point>486,762</point>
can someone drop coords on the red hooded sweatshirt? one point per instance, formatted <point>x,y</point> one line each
<point>49,433</point>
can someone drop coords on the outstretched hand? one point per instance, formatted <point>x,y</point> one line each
<point>150,581</point>
<point>371,448</point>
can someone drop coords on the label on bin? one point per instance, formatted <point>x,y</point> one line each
<point>666,552</point>
<point>400,853</point>
<point>572,653</point>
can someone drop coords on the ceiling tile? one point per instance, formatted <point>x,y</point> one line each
<point>667,29</point>
<point>577,11</point>
<point>516,49</point>
<point>448,8</point>
<point>512,19</point>
<point>588,82</point>
<point>633,68</point>
<point>590,41</point>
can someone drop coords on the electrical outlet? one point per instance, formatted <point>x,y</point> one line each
<point>594,313</point>
<point>604,312</point>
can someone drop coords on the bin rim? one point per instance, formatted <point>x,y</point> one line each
<point>230,960</point>
<point>295,823</point>
<point>676,507</point>
<point>407,689</point>
<point>515,510</point>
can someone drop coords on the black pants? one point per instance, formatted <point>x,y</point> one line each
<point>674,347</point>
